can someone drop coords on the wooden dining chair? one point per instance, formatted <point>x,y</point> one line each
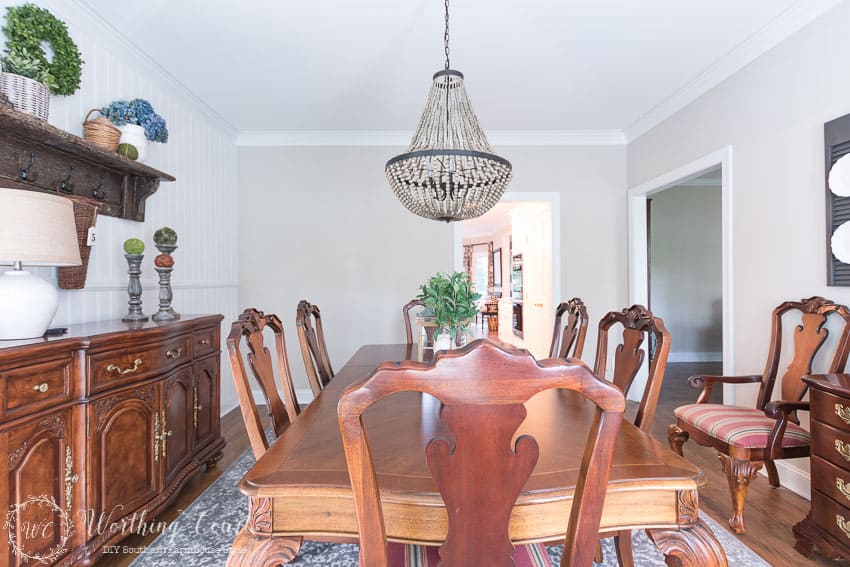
<point>250,327</point>
<point>568,336</point>
<point>408,324</point>
<point>481,472</point>
<point>311,337</point>
<point>748,438</point>
<point>642,333</point>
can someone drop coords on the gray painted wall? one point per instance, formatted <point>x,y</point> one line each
<point>686,251</point>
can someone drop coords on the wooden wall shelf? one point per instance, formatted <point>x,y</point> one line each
<point>39,157</point>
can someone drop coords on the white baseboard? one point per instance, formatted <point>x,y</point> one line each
<point>796,480</point>
<point>695,357</point>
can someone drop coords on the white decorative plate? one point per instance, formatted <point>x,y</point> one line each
<point>840,243</point>
<point>839,177</point>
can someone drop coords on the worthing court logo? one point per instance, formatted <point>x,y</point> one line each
<point>40,530</point>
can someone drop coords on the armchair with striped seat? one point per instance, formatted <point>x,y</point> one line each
<point>747,438</point>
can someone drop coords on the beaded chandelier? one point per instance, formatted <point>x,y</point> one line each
<point>449,172</point>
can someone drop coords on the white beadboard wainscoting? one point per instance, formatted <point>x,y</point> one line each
<point>200,205</point>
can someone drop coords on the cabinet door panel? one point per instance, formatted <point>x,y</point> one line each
<point>205,411</point>
<point>36,489</point>
<point>177,423</point>
<point>124,475</point>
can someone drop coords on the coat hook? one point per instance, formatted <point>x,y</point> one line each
<point>97,193</point>
<point>25,174</point>
<point>63,185</point>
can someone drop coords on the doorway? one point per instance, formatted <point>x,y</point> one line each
<point>653,282</point>
<point>519,240</point>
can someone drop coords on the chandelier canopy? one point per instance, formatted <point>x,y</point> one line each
<point>449,172</point>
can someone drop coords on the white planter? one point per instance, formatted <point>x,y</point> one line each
<point>442,342</point>
<point>134,135</point>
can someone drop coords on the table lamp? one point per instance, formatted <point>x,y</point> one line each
<point>36,229</point>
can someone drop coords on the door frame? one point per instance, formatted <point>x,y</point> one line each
<point>638,247</point>
<point>554,200</point>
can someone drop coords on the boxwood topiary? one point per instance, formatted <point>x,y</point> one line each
<point>27,26</point>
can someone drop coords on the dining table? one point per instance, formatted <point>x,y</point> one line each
<point>300,488</point>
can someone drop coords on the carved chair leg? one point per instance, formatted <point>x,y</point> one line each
<point>623,544</point>
<point>739,473</point>
<point>597,556</point>
<point>677,437</point>
<point>689,547</point>
<point>772,473</point>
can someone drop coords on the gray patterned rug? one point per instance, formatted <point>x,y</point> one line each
<point>202,534</point>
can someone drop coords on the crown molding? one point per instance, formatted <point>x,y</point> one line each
<point>797,16</point>
<point>402,139</point>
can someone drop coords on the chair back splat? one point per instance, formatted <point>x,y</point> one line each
<point>480,473</point>
<point>568,336</point>
<point>809,337</point>
<point>314,351</point>
<point>250,327</point>
<point>638,323</point>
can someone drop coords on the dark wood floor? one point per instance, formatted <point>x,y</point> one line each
<point>770,512</point>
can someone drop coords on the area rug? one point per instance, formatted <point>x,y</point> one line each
<point>202,534</point>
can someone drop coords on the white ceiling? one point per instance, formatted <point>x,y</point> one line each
<point>534,65</point>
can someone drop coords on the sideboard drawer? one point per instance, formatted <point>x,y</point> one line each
<point>109,369</point>
<point>205,341</point>
<point>831,409</point>
<point>831,480</point>
<point>831,444</point>
<point>32,387</point>
<point>832,517</point>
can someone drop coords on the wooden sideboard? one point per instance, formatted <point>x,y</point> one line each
<point>827,526</point>
<point>100,428</point>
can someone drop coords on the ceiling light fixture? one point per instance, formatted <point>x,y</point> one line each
<point>450,172</point>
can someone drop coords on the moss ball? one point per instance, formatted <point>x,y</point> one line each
<point>164,261</point>
<point>165,236</point>
<point>134,246</point>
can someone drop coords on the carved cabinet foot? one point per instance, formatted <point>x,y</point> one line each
<point>689,547</point>
<point>212,462</point>
<point>740,473</point>
<point>677,437</point>
<point>249,550</point>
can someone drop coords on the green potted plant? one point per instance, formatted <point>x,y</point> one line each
<point>453,304</point>
<point>27,76</point>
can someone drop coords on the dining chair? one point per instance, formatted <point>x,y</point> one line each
<point>311,337</point>
<point>568,337</point>
<point>642,333</point>
<point>408,324</point>
<point>482,472</point>
<point>747,438</point>
<point>250,327</point>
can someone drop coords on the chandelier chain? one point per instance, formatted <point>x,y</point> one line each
<point>446,35</point>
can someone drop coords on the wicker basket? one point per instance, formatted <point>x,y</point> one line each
<point>85,215</point>
<point>101,132</point>
<point>26,95</point>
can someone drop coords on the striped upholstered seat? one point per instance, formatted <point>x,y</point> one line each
<point>738,426</point>
<point>401,555</point>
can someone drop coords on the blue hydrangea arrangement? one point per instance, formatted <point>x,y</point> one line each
<point>140,112</point>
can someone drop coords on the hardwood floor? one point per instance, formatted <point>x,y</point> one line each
<point>770,512</point>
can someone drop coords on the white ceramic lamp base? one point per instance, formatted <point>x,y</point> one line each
<point>27,305</point>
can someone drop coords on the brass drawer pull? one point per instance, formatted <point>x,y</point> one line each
<point>842,525</point>
<point>204,342</point>
<point>122,371</point>
<point>174,354</point>
<point>43,387</point>
<point>843,412</point>
<point>843,449</point>
<point>842,487</point>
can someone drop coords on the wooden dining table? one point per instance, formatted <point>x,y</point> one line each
<point>300,487</point>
